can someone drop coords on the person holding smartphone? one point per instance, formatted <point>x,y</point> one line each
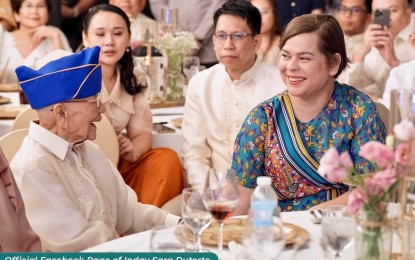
<point>401,77</point>
<point>353,16</point>
<point>384,47</point>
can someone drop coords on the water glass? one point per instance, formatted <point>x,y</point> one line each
<point>338,229</point>
<point>402,106</point>
<point>169,19</point>
<point>195,215</point>
<point>191,66</point>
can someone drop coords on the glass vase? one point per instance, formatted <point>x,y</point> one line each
<point>173,87</point>
<point>373,238</point>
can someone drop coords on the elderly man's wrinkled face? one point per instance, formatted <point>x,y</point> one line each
<point>81,115</point>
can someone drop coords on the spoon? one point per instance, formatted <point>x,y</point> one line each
<point>315,220</point>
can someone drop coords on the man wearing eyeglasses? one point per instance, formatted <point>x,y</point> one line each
<point>75,198</point>
<point>219,98</point>
<point>383,48</point>
<point>353,17</point>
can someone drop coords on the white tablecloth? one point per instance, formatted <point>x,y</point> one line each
<point>140,242</point>
<point>171,140</point>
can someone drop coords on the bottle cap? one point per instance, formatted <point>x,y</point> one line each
<point>263,181</point>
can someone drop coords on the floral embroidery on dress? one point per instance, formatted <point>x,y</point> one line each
<point>348,120</point>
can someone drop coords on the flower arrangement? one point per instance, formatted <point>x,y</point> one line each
<point>373,190</point>
<point>175,46</point>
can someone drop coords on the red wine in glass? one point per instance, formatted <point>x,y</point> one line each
<point>221,212</point>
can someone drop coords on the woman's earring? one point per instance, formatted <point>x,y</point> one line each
<point>128,49</point>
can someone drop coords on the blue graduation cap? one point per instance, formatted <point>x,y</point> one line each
<point>75,76</point>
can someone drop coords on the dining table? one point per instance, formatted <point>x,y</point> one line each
<point>140,242</point>
<point>6,121</point>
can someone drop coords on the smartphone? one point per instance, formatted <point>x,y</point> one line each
<point>382,17</point>
<point>161,128</point>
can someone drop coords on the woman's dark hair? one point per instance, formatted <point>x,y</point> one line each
<point>16,4</point>
<point>330,36</point>
<point>277,24</point>
<point>128,79</point>
<point>243,9</point>
<point>368,5</point>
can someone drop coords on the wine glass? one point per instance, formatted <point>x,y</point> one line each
<point>195,216</point>
<point>169,19</point>
<point>190,66</point>
<point>221,197</point>
<point>338,229</point>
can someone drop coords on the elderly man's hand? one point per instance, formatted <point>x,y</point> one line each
<point>127,149</point>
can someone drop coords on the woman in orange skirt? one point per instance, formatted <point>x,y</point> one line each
<point>156,175</point>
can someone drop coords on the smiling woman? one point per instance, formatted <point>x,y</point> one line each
<point>32,40</point>
<point>286,136</point>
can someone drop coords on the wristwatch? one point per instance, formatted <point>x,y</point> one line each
<point>180,222</point>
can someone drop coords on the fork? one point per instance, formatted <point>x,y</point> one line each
<point>316,219</point>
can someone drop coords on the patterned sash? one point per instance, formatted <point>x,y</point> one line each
<point>294,150</point>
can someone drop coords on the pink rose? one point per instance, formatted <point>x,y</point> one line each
<point>373,189</point>
<point>404,154</point>
<point>329,161</point>
<point>405,130</point>
<point>346,160</point>
<point>330,166</point>
<point>338,174</point>
<point>377,152</point>
<point>357,199</point>
<point>385,178</point>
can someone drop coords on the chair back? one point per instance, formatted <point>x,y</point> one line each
<point>10,143</point>
<point>384,115</point>
<point>107,139</point>
<point>23,119</point>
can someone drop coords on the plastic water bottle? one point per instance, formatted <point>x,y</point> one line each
<point>263,237</point>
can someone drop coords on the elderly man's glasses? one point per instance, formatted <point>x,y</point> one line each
<point>221,37</point>
<point>96,100</point>
<point>353,10</point>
